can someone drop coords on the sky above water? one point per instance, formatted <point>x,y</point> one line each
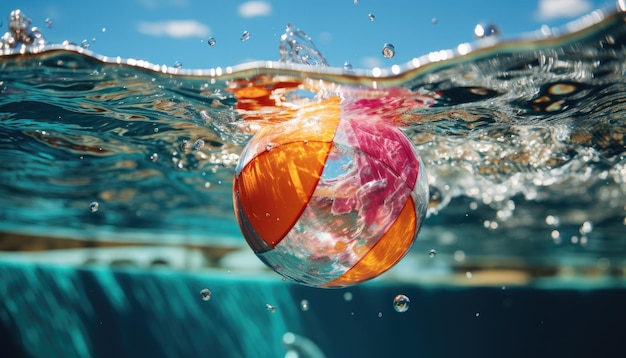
<point>178,31</point>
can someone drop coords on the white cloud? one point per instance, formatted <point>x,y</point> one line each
<point>174,28</point>
<point>254,8</point>
<point>551,9</point>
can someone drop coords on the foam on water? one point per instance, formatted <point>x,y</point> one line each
<point>511,132</point>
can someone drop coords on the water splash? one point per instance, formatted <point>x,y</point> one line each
<point>298,47</point>
<point>21,33</point>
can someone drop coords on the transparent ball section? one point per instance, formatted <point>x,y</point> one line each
<point>348,217</point>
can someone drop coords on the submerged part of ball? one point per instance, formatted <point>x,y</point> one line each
<point>330,202</point>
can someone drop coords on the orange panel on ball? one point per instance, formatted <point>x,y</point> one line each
<point>275,186</point>
<point>389,249</point>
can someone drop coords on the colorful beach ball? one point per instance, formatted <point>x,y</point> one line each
<point>328,201</point>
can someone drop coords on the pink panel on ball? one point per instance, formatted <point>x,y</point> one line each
<point>384,142</point>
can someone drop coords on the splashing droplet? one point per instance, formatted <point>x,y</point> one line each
<point>482,31</point>
<point>211,41</point>
<point>389,50</point>
<point>371,17</point>
<point>298,47</point>
<point>205,294</point>
<point>94,206</point>
<point>432,253</point>
<point>401,303</point>
<point>270,308</point>
<point>304,304</point>
<point>245,36</point>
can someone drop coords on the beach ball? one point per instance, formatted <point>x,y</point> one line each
<point>327,200</point>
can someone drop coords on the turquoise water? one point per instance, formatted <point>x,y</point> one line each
<point>523,142</point>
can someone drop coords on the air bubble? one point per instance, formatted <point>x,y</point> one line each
<point>84,44</point>
<point>347,66</point>
<point>389,50</point>
<point>211,41</point>
<point>48,22</point>
<point>434,20</point>
<point>104,29</point>
<point>198,144</point>
<point>270,308</point>
<point>371,17</point>
<point>178,64</point>
<point>245,36</point>
<point>432,253</point>
<point>154,157</point>
<point>205,294</point>
<point>347,296</point>
<point>94,206</point>
<point>304,304</point>
<point>401,303</point>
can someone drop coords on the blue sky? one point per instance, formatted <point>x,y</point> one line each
<point>166,31</point>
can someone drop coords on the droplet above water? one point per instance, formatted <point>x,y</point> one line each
<point>94,206</point>
<point>245,36</point>
<point>486,30</point>
<point>389,50</point>
<point>432,253</point>
<point>205,294</point>
<point>401,303</point>
<point>211,41</point>
<point>371,17</point>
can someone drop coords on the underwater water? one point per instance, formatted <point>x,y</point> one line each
<point>116,189</point>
